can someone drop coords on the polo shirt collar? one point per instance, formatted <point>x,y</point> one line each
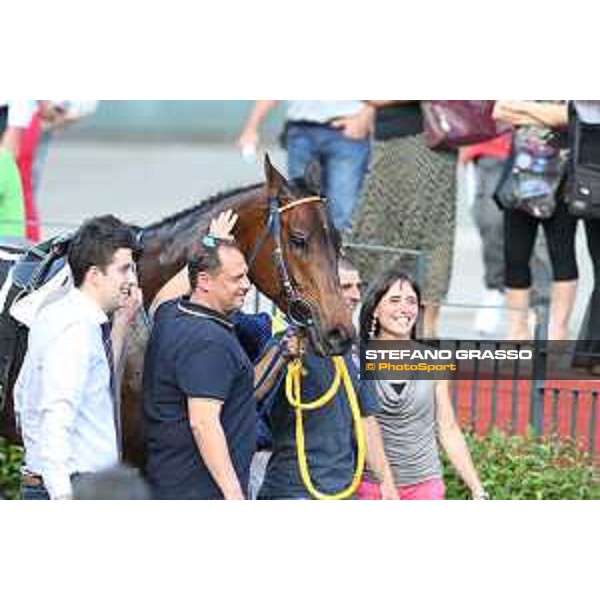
<point>185,305</point>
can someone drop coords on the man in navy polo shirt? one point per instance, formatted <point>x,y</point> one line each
<point>198,402</point>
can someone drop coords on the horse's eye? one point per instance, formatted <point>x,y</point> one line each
<point>298,243</point>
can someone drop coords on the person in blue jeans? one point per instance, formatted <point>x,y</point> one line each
<point>334,133</point>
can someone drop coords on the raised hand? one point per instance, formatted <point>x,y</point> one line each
<point>222,225</point>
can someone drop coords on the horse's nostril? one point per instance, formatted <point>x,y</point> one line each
<point>336,333</point>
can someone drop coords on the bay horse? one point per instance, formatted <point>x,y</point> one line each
<point>286,235</point>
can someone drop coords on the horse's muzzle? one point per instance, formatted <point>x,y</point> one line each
<point>332,342</point>
<point>327,342</point>
<point>338,340</point>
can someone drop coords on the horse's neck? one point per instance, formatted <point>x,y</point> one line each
<point>168,249</point>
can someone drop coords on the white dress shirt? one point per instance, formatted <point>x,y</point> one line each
<point>63,400</point>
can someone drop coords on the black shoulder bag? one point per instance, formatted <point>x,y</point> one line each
<point>583,191</point>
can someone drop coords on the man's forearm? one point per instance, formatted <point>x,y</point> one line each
<point>268,379</point>
<point>552,115</point>
<point>212,445</point>
<point>117,336</point>
<point>122,322</point>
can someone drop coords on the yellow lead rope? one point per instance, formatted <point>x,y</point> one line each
<point>293,389</point>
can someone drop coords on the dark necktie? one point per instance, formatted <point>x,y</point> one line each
<point>108,350</point>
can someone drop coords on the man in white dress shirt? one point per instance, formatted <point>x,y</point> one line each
<point>65,396</point>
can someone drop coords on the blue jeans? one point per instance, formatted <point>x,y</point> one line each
<point>34,492</point>
<point>343,161</point>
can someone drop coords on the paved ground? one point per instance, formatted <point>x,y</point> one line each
<point>143,183</point>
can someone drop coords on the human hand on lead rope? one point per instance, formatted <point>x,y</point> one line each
<point>294,343</point>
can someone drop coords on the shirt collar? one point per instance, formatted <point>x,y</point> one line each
<point>185,305</point>
<point>89,306</point>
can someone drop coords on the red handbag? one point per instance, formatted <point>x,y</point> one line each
<point>450,124</point>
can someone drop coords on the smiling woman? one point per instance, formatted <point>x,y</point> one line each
<point>391,308</point>
<point>413,414</point>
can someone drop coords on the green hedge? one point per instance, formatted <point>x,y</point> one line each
<point>527,468</point>
<point>510,467</point>
<point>10,465</point>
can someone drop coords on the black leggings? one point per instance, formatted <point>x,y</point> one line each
<point>592,230</point>
<point>588,346</point>
<point>520,231</point>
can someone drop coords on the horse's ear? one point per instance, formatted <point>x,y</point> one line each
<point>275,180</point>
<point>312,176</point>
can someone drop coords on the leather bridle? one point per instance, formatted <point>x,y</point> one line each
<point>301,311</point>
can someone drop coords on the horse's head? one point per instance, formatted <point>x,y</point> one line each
<point>301,251</point>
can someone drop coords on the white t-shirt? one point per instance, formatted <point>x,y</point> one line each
<point>20,112</point>
<point>588,111</point>
<point>322,111</point>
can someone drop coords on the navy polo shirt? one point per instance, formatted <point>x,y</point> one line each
<point>193,352</point>
<point>328,432</point>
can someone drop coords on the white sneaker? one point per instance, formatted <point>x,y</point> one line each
<point>489,317</point>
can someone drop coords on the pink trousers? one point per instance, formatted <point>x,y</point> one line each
<point>432,489</point>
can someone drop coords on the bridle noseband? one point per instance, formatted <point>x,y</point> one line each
<point>300,310</point>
